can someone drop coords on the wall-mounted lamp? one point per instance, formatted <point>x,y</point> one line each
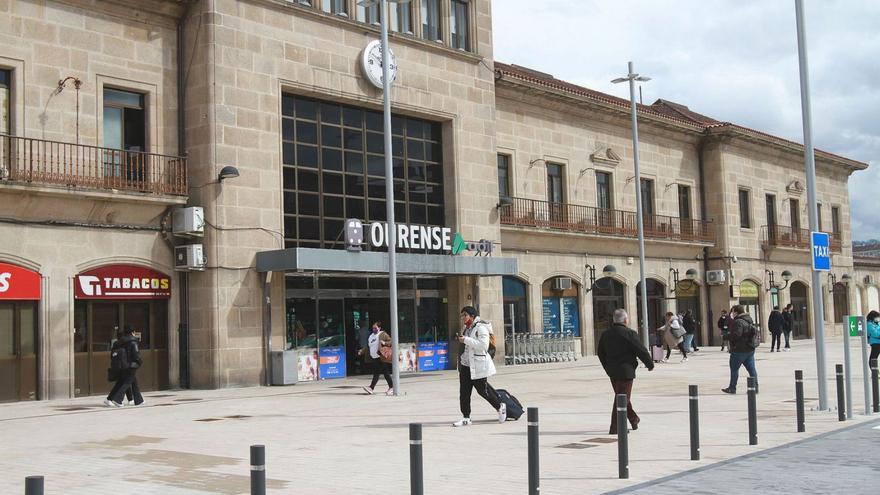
<point>536,160</point>
<point>504,201</point>
<point>227,172</point>
<point>629,179</point>
<point>832,280</point>
<point>690,276</point>
<point>607,271</point>
<point>585,170</point>
<point>786,276</point>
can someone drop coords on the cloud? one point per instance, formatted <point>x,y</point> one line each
<point>733,60</point>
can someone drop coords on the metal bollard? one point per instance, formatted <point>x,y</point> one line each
<point>695,422</point>
<point>753,411</point>
<point>534,471</point>
<point>875,386</point>
<point>841,401</point>
<point>258,470</point>
<point>33,485</point>
<point>416,473</point>
<point>799,399</point>
<point>622,438</point>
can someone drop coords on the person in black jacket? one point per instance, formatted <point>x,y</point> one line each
<point>788,316</point>
<point>776,323</point>
<point>743,335</point>
<point>690,326</point>
<point>722,326</point>
<point>619,347</point>
<point>127,377</point>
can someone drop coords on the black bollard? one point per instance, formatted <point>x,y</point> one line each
<point>695,422</point>
<point>622,438</point>
<point>841,407</point>
<point>416,473</point>
<point>875,386</point>
<point>799,399</point>
<point>534,471</point>
<point>33,485</point>
<point>753,411</point>
<point>258,470</point>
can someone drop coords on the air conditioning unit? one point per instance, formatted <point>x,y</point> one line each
<point>869,280</point>
<point>716,277</point>
<point>188,222</point>
<point>561,283</point>
<point>189,257</point>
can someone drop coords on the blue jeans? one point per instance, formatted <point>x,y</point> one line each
<point>689,341</point>
<point>738,359</point>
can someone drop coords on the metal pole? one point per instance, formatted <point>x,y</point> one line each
<point>622,438</point>
<point>841,405</point>
<point>513,331</point>
<point>866,374</point>
<point>695,422</point>
<point>416,473</point>
<point>847,368</point>
<point>799,399</point>
<point>258,470</point>
<point>33,485</point>
<point>810,164</point>
<point>639,220</point>
<point>753,411</point>
<point>389,201</point>
<point>534,471</point>
<point>875,386</point>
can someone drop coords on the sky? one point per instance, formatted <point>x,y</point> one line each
<point>733,60</point>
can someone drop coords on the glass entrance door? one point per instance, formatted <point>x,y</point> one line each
<point>18,359</point>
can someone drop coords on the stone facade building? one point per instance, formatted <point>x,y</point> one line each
<point>115,114</point>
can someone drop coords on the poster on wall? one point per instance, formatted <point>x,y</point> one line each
<point>307,366</point>
<point>332,362</point>
<point>407,357</point>
<point>571,318</point>
<point>551,314</point>
<point>427,356</point>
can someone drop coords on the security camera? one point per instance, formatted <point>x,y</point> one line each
<point>735,259</point>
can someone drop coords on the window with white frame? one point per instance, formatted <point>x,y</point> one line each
<point>431,20</point>
<point>400,17</point>
<point>369,15</point>
<point>459,25</point>
<point>5,105</point>
<point>338,7</point>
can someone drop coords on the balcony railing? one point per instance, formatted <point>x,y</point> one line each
<point>773,236</point>
<point>601,221</point>
<point>52,162</point>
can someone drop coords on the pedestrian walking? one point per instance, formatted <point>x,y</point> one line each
<point>125,359</point>
<point>618,350</point>
<point>475,366</point>
<point>776,323</point>
<point>673,336</point>
<point>723,328</point>
<point>788,317</point>
<point>690,327</point>
<point>874,333</point>
<point>378,354</point>
<point>743,342</point>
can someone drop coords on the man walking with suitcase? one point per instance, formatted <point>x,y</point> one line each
<point>476,366</point>
<point>619,348</point>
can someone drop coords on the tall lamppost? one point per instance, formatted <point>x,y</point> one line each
<point>632,77</point>
<point>389,188</point>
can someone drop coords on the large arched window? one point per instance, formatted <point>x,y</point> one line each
<point>656,304</point>
<point>608,295</point>
<point>841,302</point>
<point>515,293</point>
<point>560,307</point>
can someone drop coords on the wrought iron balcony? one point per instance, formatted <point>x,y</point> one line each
<point>40,161</point>
<point>781,236</point>
<point>602,222</point>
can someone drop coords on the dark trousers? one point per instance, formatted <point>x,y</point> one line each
<point>622,387</point>
<point>127,382</point>
<point>787,337</point>
<point>875,351</point>
<point>776,340</point>
<point>680,348</point>
<point>482,386</point>
<point>738,359</point>
<point>381,368</point>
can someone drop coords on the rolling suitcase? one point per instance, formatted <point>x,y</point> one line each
<point>657,353</point>
<point>514,408</point>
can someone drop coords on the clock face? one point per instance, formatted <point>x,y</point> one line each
<point>371,61</point>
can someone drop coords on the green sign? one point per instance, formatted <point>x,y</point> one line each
<point>855,326</point>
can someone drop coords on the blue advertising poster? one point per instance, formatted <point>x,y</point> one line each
<point>571,318</point>
<point>441,350</point>
<point>332,362</point>
<point>551,314</point>
<point>428,356</point>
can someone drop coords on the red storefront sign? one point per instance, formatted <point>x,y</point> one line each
<point>122,282</point>
<point>18,284</point>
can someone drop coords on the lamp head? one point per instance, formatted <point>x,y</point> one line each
<point>619,80</point>
<point>227,172</point>
<point>609,270</point>
<point>845,278</point>
<point>691,274</point>
<point>786,275</point>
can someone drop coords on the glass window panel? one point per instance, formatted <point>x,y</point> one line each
<point>375,121</point>
<point>417,191</point>
<point>331,159</point>
<point>333,230</point>
<point>433,151</point>
<point>376,188</point>
<point>307,156</point>
<point>113,128</point>
<point>354,208</point>
<point>80,326</point>
<point>121,98</point>
<point>306,109</point>
<point>332,183</point>
<point>309,228</point>
<point>435,215</point>
<point>287,129</point>
<point>308,204</point>
<point>335,7</point>
<point>287,105</point>
<point>400,190</point>
<point>301,332</point>
<point>435,132</point>
<point>354,162</point>
<point>416,170</point>
<point>7,330</point>
<point>306,282</point>
<point>435,193</point>
<point>400,212</point>
<point>397,124</point>
<point>431,20</point>
<point>288,153</point>
<point>352,117</point>
<point>354,185</point>
<point>289,174</point>
<point>459,25</point>
<point>376,142</point>
<point>105,318</point>
<point>334,206</point>
<point>307,180</point>
<point>330,113</point>
<point>354,140</point>
<point>504,173</point>
<point>397,147</point>
<point>745,220</point>
<point>433,172</point>
<point>369,15</point>
<point>331,136</point>
<point>306,132</point>
<point>288,243</point>
<point>376,165</point>
<point>398,168</point>
<point>377,211</point>
<point>415,149</point>
<point>289,225</point>
<point>417,214</point>
<point>415,129</point>
<point>400,17</point>
<point>290,203</point>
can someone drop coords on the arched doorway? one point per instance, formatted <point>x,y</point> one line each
<point>687,298</point>
<point>800,305</point>
<point>515,293</point>
<point>749,298</point>
<point>656,304</point>
<point>873,298</point>
<point>841,302</point>
<point>559,302</point>
<point>608,295</point>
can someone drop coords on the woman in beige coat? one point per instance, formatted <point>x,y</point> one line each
<point>673,336</point>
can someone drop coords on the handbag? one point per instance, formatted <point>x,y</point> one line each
<point>677,332</point>
<point>385,353</point>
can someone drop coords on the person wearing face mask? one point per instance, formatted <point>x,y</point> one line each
<point>475,367</point>
<point>378,353</point>
<point>874,333</point>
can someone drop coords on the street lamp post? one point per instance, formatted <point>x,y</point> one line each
<point>632,77</point>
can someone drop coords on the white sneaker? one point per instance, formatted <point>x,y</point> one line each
<point>368,390</point>
<point>787,349</point>
<point>462,422</point>
<point>664,360</point>
<point>390,391</point>
<point>684,359</point>
<point>131,403</point>
<point>502,413</point>
<point>110,403</point>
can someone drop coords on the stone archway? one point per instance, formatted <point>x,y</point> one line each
<point>800,304</point>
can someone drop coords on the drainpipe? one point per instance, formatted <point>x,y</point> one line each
<point>701,166</point>
<point>183,291</point>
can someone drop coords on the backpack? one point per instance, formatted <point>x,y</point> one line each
<point>119,358</point>
<point>752,336</point>
<point>491,349</point>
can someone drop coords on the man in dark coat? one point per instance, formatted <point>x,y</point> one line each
<point>788,316</point>
<point>743,341</point>
<point>127,377</point>
<point>776,323</point>
<point>619,348</point>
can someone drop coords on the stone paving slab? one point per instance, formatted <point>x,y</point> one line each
<point>329,437</point>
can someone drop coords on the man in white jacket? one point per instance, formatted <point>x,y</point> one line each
<point>476,366</point>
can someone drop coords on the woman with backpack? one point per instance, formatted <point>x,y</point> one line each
<point>476,366</point>
<point>378,352</point>
<point>673,336</point>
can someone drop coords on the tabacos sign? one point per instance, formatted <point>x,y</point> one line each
<point>18,284</point>
<point>428,237</point>
<point>122,282</point>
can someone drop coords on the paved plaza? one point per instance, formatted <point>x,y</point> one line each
<point>331,438</point>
